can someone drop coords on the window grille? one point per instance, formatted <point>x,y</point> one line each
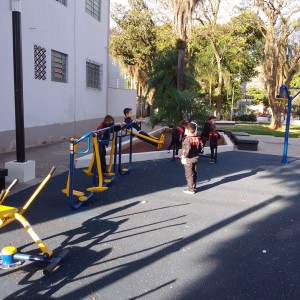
<point>64,2</point>
<point>39,63</point>
<point>94,75</point>
<point>58,66</point>
<point>93,8</point>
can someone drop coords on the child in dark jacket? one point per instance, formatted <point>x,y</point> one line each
<point>214,136</point>
<point>177,136</point>
<point>107,122</point>
<point>204,137</point>
<point>189,158</point>
<point>136,127</point>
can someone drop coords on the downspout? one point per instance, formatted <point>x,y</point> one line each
<point>75,73</point>
<point>107,53</point>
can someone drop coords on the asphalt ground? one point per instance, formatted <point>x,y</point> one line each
<point>236,238</point>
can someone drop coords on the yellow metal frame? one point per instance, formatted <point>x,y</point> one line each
<point>153,139</point>
<point>66,189</point>
<point>9,214</point>
<point>280,101</point>
<point>100,187</point>
<point>89,172</point>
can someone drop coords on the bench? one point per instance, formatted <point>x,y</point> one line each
<point>234,134</point>
<point>3,173</point>
<point>246,143</point>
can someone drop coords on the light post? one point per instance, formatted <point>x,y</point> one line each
<point>232,99</point>
<point>18,79</point>
<point>22,169</point>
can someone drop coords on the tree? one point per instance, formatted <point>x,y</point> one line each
<point>279,23</point>
<point>230,51</point>
<point>133,41</point>
<point>182,11</point>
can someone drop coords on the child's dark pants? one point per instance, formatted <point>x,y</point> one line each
<point>190,170</point>
<point>177,145</point>
<point>213,152</point>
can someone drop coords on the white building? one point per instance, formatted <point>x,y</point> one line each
<point>65,70</point>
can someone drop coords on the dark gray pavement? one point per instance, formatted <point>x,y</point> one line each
<point>236,238</point>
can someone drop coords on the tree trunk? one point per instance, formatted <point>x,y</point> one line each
<point>276,117</point>
<point>181,54</point>
<point>219,91</point>
<point>276,110</point>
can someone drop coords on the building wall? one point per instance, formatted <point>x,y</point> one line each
<point>53,110</point>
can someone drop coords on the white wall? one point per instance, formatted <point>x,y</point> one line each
<point>47,104</point>
<point>118,99</point>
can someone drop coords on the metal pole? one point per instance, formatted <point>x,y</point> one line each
<point>18,80</point>
<point>287,125</point>
<point>232,99</point>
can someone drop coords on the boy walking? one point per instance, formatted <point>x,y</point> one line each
<point>177,136</point>
<point>189,158</point>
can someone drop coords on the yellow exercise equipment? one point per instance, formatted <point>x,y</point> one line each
<point>9,256</point>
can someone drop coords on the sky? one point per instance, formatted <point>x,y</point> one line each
<point>226,9</point>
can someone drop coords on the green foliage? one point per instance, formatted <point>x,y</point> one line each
<point>133,40</point>
<point>296,80</point>
<point>259,95</point>
<point>177,105</point>
<point>245,118</point>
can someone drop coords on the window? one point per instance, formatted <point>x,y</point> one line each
<point>94,75</point>
<point>58,66</point>
<point>39,63</point>
<point>93,8</point>
<point>64,2</point>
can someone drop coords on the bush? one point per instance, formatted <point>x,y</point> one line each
<point>245,118</point>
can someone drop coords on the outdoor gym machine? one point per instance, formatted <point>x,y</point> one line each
<point>77,198</point>
<point>9,258</point>
<point>283,98</point>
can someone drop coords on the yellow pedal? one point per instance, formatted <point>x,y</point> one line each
<point>87,172</point>
<point>107,180</point>
<point>124,170</point>
<point>97,189</point>
<point>83,198</point>
<point>75,193</point>
<point>110,174</point>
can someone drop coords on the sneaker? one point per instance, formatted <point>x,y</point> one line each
<point>176,156</point>
<point>187,191</point>
<point>211,161</point>
<point>168,151</point>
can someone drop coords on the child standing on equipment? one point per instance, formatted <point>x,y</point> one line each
<point>214,136</point>
<point>177,136</point>
<point>190,156</point>
<point>136,128</point>
<point>107,122</point>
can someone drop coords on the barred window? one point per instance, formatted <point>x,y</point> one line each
<point>94,75</point>
<point>58,66</point>
<point>93,8</point>
<point>39,63</point>
<point>64,2</point>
